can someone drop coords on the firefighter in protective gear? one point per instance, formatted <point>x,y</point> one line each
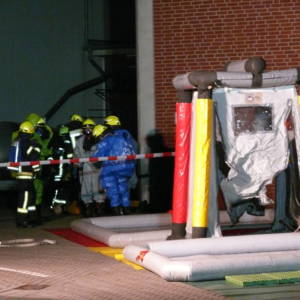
<point>24,148</point>
<point>75,122</point>
<point>75,128</point>
<point>32,118</point>
<point>114,126</point>
<point>112,121</point>
<point>27,128</point>
<point>76,117</point>
<point>43,136</point>
<point>92,198</point>
<point>62,173</point>
<point>114,175</point>
<point>98,131</point>
<point>88,126</point>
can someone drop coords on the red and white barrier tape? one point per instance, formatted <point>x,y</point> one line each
<point>84,160</point>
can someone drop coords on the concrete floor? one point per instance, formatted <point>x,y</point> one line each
<point>69,271</point>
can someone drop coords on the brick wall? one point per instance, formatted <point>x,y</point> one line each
<point>205,34</point>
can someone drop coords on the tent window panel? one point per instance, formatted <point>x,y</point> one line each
<point>252,119</point>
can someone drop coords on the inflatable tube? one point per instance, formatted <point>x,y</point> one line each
<point>212,267</point>
<point>181,170</point>
<point>228,245</point>
<point>254,65</point>
<point>132,221</point>
<point>202,168</point>
<point>120,231</point>
<point>194,79</point>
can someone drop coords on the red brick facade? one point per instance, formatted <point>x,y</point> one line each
<point>204,35</point>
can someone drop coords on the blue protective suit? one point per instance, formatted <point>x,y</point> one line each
<point>114,175</point>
